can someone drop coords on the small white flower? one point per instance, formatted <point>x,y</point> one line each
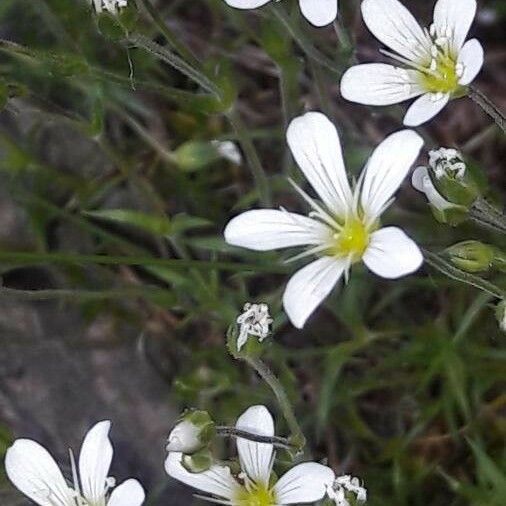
<point>436,61</point>
<point>111,6</point>
<point>34,472</point>
<point>317,12</point>
<point>228,150</point>
<point>184,438</point>
<point>342,485</point>
<point>304,483</point>
<point>254,321</point>
<point>344,228</point>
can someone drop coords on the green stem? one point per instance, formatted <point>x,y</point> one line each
<point>250,151</point>
<point>280,442</point>
<point>174,61</point>
<point>488,106</point>
<point>28,258</point>
<point>305,44</point>
<point>170,37</point>
<point>485,214</point>
<point>446,268</point>
<point>297,438</point>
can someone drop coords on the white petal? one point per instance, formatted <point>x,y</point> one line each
<point>303,483</point>
<point>392,254</point>
<point>95,461</point>
<point>391,23</point>
<point>246,4</point>
<point>471,57</point>
<point>386,169</point>
<point>256,458</point>
<point>129,493</point>
<point>319,12</point>
<point>217,480</point>
<point>379,84</point>
<point>453,18</point>
<point>421,181</point>
<point>267,229</point>
<point>34,472</point>
<point>424,108</point>
<point>315,145</point>
<point>308,287</point>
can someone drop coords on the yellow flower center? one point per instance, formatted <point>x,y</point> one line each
<point>352,240</point>
<point>257,495</point>
<point>443,76</point>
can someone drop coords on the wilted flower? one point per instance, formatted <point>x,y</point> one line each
<point>111,6</point>
<point>436,63</point>
<point>317,12</point>
<point>34,472</point>
<point>304,483</point>
<point>422,182</point>
<point>447,162</point>
<point>343,485</point>
<point>254,321</point>
<point>345,229</point>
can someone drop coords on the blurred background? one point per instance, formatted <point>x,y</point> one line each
<point>104,150</point>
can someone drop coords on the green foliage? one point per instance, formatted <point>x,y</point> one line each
<point>400,382</point>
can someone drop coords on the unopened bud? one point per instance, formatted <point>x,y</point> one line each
<point>500,314</point>
<point>198,462</point>
<point>192,433</point>
<point>472,256</point>
<point>451,177</point>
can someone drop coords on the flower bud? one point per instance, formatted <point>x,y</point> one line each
<point>472,256</point>
<point>198,462</point>
<point>452,178</point>
<point>192,433</point>
<point>500,313</point>
<point>443,211</point>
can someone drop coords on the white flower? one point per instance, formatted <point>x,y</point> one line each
<point>343,484</point>
<point>111,6</point>
<point>344,228</point>
<point>317,12</point>
<point>184,437</point>
<point>34,472</point>
<point>303,483</point>
<point>254,321</point>
<point>436,63</point>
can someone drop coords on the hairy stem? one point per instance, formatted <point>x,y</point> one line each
<point>163,54</point>
<point>446,268</point>
<point>488,106</point>
<point>485,214</point>
<point>297,438</point>
<point>170,37</point>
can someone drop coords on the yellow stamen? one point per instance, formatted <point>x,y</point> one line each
<point>352,240</point>
<point>257,495</point>
<point>443,76</point>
